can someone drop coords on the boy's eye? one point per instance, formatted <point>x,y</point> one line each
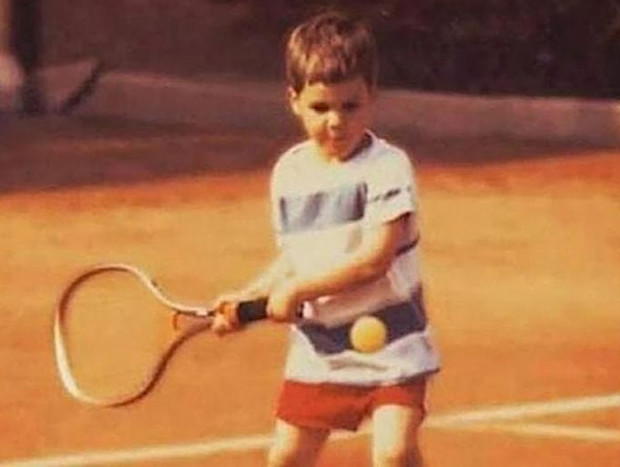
<point>320,107</point>
<point>350,106</point>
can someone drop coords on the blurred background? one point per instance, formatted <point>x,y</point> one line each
<point>490,47</point>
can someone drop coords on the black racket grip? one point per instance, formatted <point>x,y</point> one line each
<point>253,310</point>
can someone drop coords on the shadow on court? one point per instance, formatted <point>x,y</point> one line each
<point>54,153</point>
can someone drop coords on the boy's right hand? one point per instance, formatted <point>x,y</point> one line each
<point>284,303</point>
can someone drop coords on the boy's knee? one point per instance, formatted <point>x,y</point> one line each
<point>395,437</point>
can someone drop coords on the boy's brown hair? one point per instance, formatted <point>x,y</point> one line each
<point>330,48</point>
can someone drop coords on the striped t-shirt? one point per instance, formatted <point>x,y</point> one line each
<point>320,214</point>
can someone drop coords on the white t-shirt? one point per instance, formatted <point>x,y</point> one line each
<point>321,212</point>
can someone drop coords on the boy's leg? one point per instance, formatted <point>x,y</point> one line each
<point>397,413</point>
<point>296,447</point>
<point>395,436</point>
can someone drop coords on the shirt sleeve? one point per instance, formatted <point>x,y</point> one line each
<point>392,190</point>
<point>278,176</point>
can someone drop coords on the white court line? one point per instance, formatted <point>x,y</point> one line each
<point>469,419</point>
<point>548,430</point>
<point>170,451</point>
<point>528,409</point>
<point>162,452</point>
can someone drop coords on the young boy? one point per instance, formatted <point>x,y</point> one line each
<point>344,210</point>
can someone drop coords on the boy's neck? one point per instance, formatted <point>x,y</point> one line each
<point>364,143</point>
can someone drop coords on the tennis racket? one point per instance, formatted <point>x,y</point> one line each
<point>115,330</point>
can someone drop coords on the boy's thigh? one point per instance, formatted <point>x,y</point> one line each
<point>293,435</point>
<point>395,425</point>
<point>395,436</point>
<point>397,413</point>
<point>293,445</point>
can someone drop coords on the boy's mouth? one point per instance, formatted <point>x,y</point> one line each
<point>338,139</point>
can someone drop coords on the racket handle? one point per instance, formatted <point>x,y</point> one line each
<point>253,310</point>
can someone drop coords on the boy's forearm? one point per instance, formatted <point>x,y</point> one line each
<point>371,261</point>
<point>345,276</point>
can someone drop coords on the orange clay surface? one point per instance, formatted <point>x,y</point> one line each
<point>521,250</point>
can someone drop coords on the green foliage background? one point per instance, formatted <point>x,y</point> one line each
<point>527,47</point>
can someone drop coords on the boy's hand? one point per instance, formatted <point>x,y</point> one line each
<point>284,302</point>
<point>226,319</point>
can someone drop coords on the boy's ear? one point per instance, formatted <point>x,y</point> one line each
<point>293,99</point>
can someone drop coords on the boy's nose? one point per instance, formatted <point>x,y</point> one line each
<point>335,119</point>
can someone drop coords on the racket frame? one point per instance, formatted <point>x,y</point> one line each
<point>63,361</point>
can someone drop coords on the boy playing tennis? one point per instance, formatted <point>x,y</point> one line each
<point>344,210</point>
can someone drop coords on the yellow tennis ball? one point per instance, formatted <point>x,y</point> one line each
<point>368,334</point>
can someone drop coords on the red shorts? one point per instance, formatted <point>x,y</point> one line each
<point>337,406</point>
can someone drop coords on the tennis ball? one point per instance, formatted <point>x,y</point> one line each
<point>368,334</point>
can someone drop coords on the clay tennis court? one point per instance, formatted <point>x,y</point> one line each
<point>521,258</point>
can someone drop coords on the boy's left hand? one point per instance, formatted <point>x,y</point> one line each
<point>284,302</point>
<point>225,320</point>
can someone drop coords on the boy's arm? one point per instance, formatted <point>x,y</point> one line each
<point>368,262</point>
<point>226,319</point>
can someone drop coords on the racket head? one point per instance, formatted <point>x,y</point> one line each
<point>113,334</point>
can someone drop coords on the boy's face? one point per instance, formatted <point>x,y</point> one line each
<point>335,116</point>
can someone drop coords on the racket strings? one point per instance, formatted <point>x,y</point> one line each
<point>115,335</point>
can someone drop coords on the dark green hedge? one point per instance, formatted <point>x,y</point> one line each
<point>550,47</point>
<point>527,47</point>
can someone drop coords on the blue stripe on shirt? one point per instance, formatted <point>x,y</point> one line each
<point>322,209</point>
<point>400,319</point>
